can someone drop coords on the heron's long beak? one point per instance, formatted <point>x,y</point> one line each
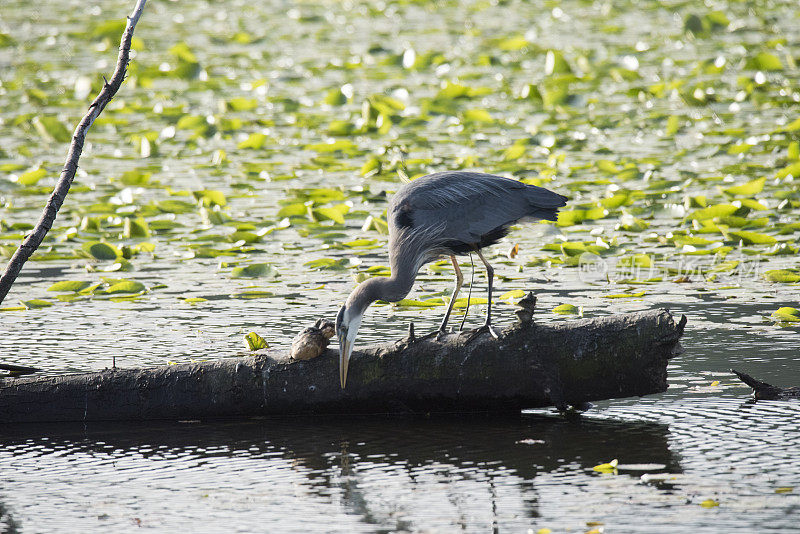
<point>345,347</point>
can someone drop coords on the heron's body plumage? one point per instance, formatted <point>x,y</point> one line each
<point>456,212</point>
<point>443,214</point>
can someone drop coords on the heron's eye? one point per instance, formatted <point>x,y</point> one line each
<point>339,319</point>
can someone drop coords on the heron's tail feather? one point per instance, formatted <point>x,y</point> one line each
<point>544,203</point>
<point>545,214</point>
<point>544,198</point>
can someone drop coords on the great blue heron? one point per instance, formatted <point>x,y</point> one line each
<point>443,214</point>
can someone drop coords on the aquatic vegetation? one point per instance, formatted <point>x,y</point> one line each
<point>265,148</point>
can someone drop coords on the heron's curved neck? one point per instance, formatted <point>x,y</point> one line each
<point>391,289</point>
<point>397,286</point>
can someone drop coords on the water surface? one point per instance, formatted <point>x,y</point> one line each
<point>652,117</point>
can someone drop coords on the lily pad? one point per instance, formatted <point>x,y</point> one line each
<point>102,251</point>
<point>332,264</point>
<point>125,286</point>
<point>256,270</point>
<point>69,286</point>
<point>566,309</point>
<point>783,276</point>
<point>787,314</point>
<point>35,304</point>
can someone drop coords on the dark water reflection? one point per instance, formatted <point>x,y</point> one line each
<point>701,441</point>
<point>388,474</point>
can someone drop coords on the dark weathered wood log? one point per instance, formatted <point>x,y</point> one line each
<point>18,370</point>
<point>764,391</point>
<point>531,365</point>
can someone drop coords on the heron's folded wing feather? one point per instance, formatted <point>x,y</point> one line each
<point>473,204</point>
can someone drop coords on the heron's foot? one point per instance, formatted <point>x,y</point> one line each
<point>482,330</point>
<point>492,331</point>
<point>432,335</point>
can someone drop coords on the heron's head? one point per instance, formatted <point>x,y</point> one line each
<point>349,319</point>
<point>347,323</point>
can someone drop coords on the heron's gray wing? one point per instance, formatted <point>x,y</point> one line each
<point>468,205</point>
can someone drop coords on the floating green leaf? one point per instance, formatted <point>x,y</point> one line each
<point>625,295</point>
<point>462,302</point>
<point>335,97</point>
<point>787,314</point>
<point>35,304</point>
<point>752,238</point>
<point>336,213</point>
<point>176,206</point>
<point>513,43</point>
<point>673,125</point>
<point>255,141</point>
<point>477,115</point>
<point>749,189</point>
<point>255,342</point>
<point>718,210</point>
<point>52,129</point>
<point>513,294</point>
<point>242,104</point>
<point>783,276</point>
<point>102,251</point>
<point>571,217</point>
<point>792,169</point>
<point>69,286</point>
<point>765,61</point>
<point>331,264</point>
<point>210,197</point>
<point>566,309</point>
<point>343,145</point>
<point>514,152</point>
<point>124,286</point>
<point>371,167</point>
<point>793,151</point>
<point>256,270</point>
<point>135,228</point>
<point>359,243</point>
<point>298,209</point>
<point>377,224</point>
<point>610,467</point>
<point>256,294</point>
<point>414,303</point>
<point>555,63</point>
<point>32,176</point>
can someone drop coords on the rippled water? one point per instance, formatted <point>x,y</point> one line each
<point>696,443</point>
<point>692,444</point>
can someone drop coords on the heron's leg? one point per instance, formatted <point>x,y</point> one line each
<point>490,276</point>
<point>469,293</point>
<point>459,282</point>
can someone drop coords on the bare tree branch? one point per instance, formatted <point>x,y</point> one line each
<point>110,88</point>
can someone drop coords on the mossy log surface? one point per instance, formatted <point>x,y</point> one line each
<point>531,365</point>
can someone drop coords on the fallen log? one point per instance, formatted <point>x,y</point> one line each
<point>764,391</point>
<point>18,370</point>
<point>530,365</point>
